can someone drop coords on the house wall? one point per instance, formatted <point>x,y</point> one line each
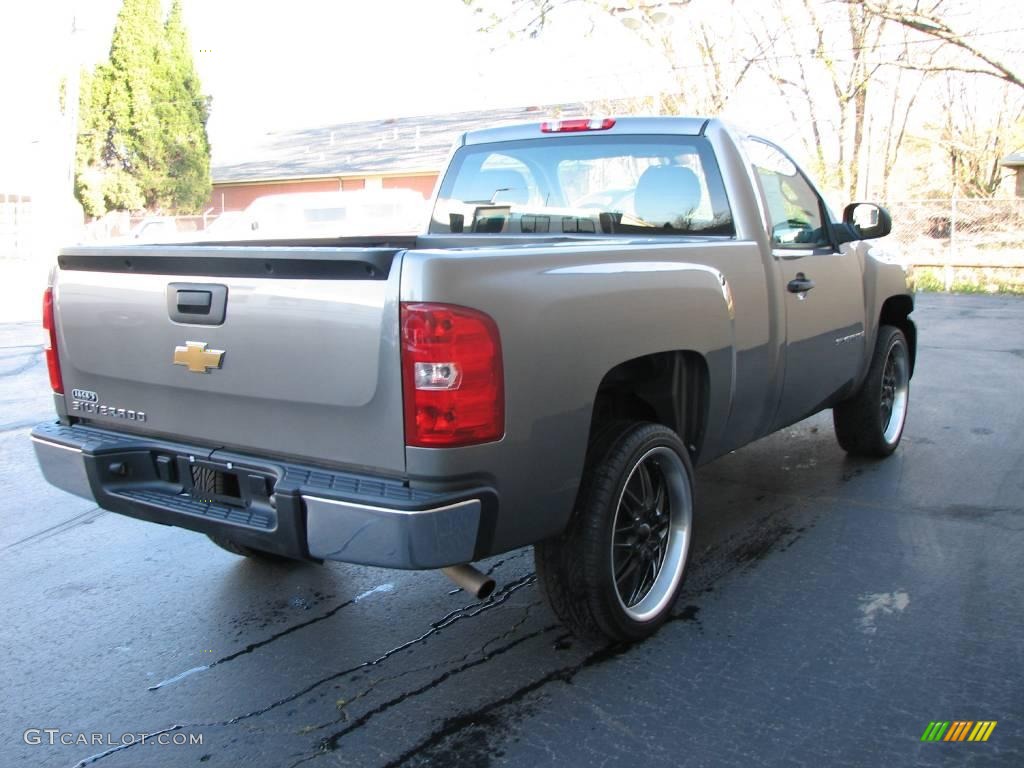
<point>236,196</point>
<point>422,184</point>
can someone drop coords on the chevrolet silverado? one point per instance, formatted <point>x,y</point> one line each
<point>596,307</point>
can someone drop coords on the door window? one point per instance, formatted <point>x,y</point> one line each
<point>794,207</point>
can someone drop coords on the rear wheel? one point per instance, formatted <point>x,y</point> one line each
<point>871,423</point>
<point>617,570</point>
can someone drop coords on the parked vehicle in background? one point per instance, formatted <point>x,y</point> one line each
<point>597,307</point>
<point>228,225</point>
<point>155,229</point>
<point>336,214</point>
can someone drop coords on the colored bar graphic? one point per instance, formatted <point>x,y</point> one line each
<point>935,730</point>
<point>931,733</point>
<point>958,730</point>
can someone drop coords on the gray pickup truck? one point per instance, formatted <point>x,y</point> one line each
<point>597,307</point>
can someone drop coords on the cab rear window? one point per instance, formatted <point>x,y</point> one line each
<point>637,185</point>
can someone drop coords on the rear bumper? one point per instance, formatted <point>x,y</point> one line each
<point>290,509</point>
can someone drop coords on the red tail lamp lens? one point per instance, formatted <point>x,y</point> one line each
<point>52,361</point>
<point>452,376</point>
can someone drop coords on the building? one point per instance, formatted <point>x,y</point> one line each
<point>397,153</point>
<point>1015,162</point>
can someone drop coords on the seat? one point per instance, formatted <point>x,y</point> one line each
<point>667,196</point>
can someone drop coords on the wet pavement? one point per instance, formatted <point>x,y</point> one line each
<point>834,608</point>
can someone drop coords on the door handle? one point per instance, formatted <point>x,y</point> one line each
<point>800,284</point>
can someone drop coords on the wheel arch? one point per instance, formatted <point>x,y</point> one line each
<point>669,388</point>
<point>896,311</point>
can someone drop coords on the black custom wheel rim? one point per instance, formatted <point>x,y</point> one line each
<point>895,393</point>
<point>651,534</point>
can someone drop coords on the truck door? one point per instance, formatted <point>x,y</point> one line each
<point>823,288</point>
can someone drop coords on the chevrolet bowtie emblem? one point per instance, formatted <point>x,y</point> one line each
<point>197,358</point>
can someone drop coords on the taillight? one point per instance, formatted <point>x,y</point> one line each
<point>452,376</point>
<point>569,126</point>
<point>52,361</point>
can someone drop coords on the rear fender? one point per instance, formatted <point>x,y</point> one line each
<point>563,327</point>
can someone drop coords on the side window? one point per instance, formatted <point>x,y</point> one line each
<point>794,207</point>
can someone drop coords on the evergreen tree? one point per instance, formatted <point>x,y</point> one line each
<point>93,129</point>
<point>142,140</point>
<point>183,114</point>
<point>135,143</point>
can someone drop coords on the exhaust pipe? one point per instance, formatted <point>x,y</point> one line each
<point>470,580</point>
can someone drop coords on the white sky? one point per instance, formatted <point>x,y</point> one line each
<point>270,64</point>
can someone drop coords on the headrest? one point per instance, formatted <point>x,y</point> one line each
<point>499,185</point>
<point>667,193</point>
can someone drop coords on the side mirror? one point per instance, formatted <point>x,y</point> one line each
<point>865,221</point>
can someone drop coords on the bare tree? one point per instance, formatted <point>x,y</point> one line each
<point>827,82</point>
<point>979,125</point>
<point>931,24</point>
<point>902,94</point>
<point>862,81</point>
<point>688,38</point>
<point>974,143</point>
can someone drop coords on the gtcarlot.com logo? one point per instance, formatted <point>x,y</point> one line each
<point>52,736</point>
<point>958,730</point>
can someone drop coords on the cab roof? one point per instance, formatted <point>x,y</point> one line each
<point>655,126</point>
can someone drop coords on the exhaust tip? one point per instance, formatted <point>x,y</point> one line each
<point>486,589</point>
<point>470,580</point>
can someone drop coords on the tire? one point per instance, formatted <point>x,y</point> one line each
<point>633,518</point>
<point>871,422</point>
<point>240,549</point>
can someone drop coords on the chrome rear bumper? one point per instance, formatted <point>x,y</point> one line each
<point>295,510</point>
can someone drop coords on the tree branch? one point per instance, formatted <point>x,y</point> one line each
<point>931,25</point>
<point>939,68</point>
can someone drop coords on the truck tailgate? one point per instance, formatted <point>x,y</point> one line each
<point>309,340</point>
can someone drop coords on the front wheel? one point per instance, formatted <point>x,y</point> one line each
<point>617,570</point>
<point>871,422</point>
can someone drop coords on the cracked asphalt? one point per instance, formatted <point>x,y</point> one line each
<point>834,607</point>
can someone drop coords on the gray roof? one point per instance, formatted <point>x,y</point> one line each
<point>397,145</point>
<point>1014,160</point>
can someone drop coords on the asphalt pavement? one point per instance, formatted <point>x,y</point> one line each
<point>834,609</point>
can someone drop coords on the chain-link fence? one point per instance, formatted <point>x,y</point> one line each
<point>971,232</point>
<point>965,244</point>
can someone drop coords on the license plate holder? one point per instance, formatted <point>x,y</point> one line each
<point>216,483</point>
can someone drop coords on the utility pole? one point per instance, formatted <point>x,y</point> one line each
<point>952,229</point>
<point>72,88</point>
